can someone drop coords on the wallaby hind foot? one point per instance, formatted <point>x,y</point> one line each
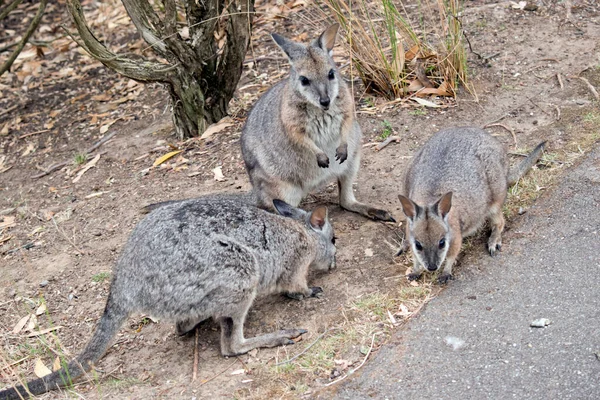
<point>233,342</point>
<point>314,291</point>
<point>349,202</point>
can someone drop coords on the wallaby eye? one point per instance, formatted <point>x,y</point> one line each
<point>418,245</point>
<point>331,75</point>
<point>333,240</point>
<point>442,243</point>
<point>304,81</point>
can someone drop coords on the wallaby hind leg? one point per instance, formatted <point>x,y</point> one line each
<point>453,250</point>
<point>186,326</point>
<point>497,222</point>
<point>349,202</point>
<point>233,342</point>
<point>267,191</point>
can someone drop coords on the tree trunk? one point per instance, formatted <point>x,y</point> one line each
<point>202,73</point>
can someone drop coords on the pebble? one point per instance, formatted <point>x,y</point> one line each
<point>44,283</point>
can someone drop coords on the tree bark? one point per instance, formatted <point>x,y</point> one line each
<point>201,74</point>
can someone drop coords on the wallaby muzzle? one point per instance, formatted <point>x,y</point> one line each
<point>325,101</point>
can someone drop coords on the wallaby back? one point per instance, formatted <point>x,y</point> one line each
<point>456,182</point>
<point>201,258</point>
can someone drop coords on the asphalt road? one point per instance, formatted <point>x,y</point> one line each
<point>474,341</point>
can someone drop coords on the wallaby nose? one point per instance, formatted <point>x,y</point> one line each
<point>325,102</point>
<point>431,267</point>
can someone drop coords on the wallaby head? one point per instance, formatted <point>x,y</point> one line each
<point>313,74</point>
<point>317,223</point>
<point>429,230</point>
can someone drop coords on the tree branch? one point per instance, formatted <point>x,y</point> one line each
<point>140,70</point>
<point>32,27</point>
<point>147,23</point>
<point>9,8</point>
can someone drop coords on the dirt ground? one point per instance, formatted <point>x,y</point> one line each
<point>62,237</point>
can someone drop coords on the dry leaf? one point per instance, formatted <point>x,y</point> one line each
<point>238,372</point>
<point>215,128</point>
<point>410,54</point>
<point>219,177</point>
<point>54,113</point>
<point>7,222</point>
<point>104,128</point>
<point>426,103</point>
<point>165,157</point>
<point>56,364</point>
<point>4,130</point>
<point>102,97</point>
<point>44,331</point>
<point>89,165</point>
<point>40,370</point>
<point>20,325</point>
<point>41,309</point>
<point>32,323</point>
<point>29,149</point>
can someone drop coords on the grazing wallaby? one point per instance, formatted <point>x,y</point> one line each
<point>303,133</point>
<point>455,182</point>
<point>201,258</point>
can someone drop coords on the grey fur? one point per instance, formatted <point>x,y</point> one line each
<point>299,137</point>
<point>456,182</point>
<point>202,258</point>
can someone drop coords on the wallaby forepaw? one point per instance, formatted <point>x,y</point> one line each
<point>323,160</point>
<point>341,153</point>
<point>444,278</point>
<point>316,291</point>
<point>413,276</point>
<point>292,333</point>
<point>295,296</point>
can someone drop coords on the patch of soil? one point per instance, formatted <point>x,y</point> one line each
<point>78,228</point>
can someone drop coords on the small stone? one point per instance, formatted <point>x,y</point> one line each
<point>540,323</point>
<point>44,283</point>
<point>522,211</point>
<point>530,6</point>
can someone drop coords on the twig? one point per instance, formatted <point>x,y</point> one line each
<point>15,362</point>
<point>387,141</point>
<point>220,373</point>
<point>560,82</point>
<point>557,111</point>
<point>535,104</point>
<point>51,169</point>
<point>66,237</point>
<point>591,87</point>
<point>357,368</point>
<point>498,119</point>
<point>8,110</point>
<point>100,142</point>
<point>505,127</point>
<point>195,369</point>
<point>33,133</point>
<point>307,348</point>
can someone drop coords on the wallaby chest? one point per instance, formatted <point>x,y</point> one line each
<point>324,128</point>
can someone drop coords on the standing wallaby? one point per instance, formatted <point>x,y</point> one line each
<point>456,181</point>
<point>303,133</point>
<point>201,258</point>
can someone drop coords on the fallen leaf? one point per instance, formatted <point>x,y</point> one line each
<point>104,128</point>
<point>20,325</point>
<point>41,309</point>
<point>215,128</point>
<point>40,370</point>
<point>32,323</point>
<point>391,317</point>
<point>102,97</point>
<point>4,130</point>
<point>29,149</point>
<point>7,222</point>
<point>89,165</point>
<point>165,157</point>
<point>238,372</point>
<point>54,113</point>
<point>219,177</point>
<point>426,103</point>
<point>44,331</point>
<point>56,364</point>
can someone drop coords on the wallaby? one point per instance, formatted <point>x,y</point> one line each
<point>455,182</point>
<point>207,257</point>
<point>303,133</point>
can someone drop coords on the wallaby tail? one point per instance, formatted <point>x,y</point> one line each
<point>107,328</point>
<point>517,172</point>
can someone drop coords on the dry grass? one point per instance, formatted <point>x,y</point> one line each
<point>398,51</point>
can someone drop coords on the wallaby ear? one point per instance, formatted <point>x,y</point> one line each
<point>287,210</point>
<point>327,39</point>
<point>318,217</point>
<point>291,49</point>
<point>409,207</point>
<point>444,204</point>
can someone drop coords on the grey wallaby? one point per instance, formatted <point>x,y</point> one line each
<point>302,133</point>
<point>207,257</point>
<point>456,181</point>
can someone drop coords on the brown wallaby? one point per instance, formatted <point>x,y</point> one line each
<point>208,257</point>
<point>302,133</point>
<point>456,181</point>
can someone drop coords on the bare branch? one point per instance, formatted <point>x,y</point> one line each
<point>147,23</point>
<point>32,27</point>
<point>140,70</point>
<point>9,8</point>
